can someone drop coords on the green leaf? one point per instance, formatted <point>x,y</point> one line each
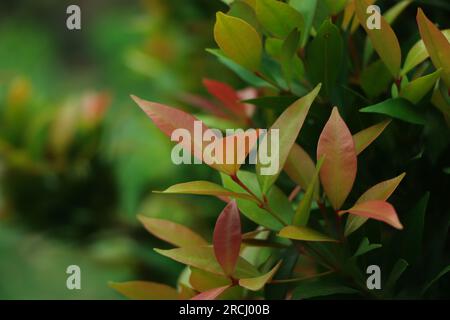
<point>205,188</point>
<point>203,281</point>
<point>277,199</point>
<point>203,258</point>
<point>365,137</point>
<point>398,269</point>
<point>171,232</point>
<point>365,246</point>
<point>324,55</point>
<point>142,290</point>
<point>397,108</point>
<point>278,18</point>
<point>377,70</point>
<point>258,283</point>
<point>308,10</point>
<point>384,40</point>
<point>320,288</point>
<point>304,234</point>
<point>436,279</point>
<point>238,40</point>
<point>302,214</point>
<point>417,89</point>
<point>288,54</point>
<point>287,126</point>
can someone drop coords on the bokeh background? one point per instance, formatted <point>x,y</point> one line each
<point>78,159</point>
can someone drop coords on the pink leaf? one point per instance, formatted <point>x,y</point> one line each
<point>212,294</point>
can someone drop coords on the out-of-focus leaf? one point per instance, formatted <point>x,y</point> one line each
<point>320,288</point>
<point>258,283</point>
<point>396,272</point>
<point>227,95</point>
<point>437,45</point>
<point>323,56</point>
<point>278,18</point>
<point>203,258</point>
<point>384,40</point>
<point>304,234</point>
<point>288,125</point>
<point>381,191</point>
<point>365,137</point>
<point>203,281</point>
<point>377,70</point>
<point>418,53</point>
<point>238,40</point>
<point>376,209</point>
<point>277,199</point>
<point>338,172</point>
<point>436,279</point>
<point>288,54</point>
<point>300,168</point>
<point>304,208</point>
<point>142,290</point>
<point>308,10</point>
<point>335,6</point>
<point>417,89</point>
<point>273,102</point>
<point>212,294</point>
<point>171,232</point>
<point>397,108</point>
<point>365,246</point>
<point>205,188</point>
<point>440,102</point>
<point>227,238</point>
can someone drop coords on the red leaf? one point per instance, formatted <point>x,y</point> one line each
<point>227,95</point>
<point>338,172</point>
<point>378,210</point>
<point>227,238</point>
<point>210,294</point>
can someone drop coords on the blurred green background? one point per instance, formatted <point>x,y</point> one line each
<point>78,159</point>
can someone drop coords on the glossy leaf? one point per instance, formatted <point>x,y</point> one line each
<point>365,137</point>
<point>384,40</point>
<point>277,17</point>
<point>304,208</point>
<point>418,88</point>
<point>378,210</point>
<point>238,40</point>
<point>172,232</point>
<point>227,238</point>
<point>212,294</point>
<point>437,45</point>
<point>304,234</point>
<point>258,283</point>
<point>142,290</point>
<point>381,191</point>
<point>397,108</point>
<point>204,258</point>
<point>288,124</point>
<point>339,168</point>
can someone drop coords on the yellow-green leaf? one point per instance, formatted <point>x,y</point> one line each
<point>417,89</point>
<point>203,281</point>
<point>238,40</point>
<point>142,290</point>
<point>437,45</point>
<point>171,232</point>
<point>278,18</point>
<point>384,40</point>
<point>304,234</point>
<point>365,137</point>
<point>258,283</point>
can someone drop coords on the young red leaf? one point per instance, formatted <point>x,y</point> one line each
<point>378,210</point>
<point>227,238</point>
<point>212,294</point>
<point>339,168</point>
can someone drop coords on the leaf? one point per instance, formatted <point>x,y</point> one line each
<point>203,258</point>
<point>324,55</point>
<point>376,209</point>
<point>273,102</point>
<point>171,232</point>
<point>278,18</point>
<point>277,199</point>
<point>227,95</point>
<point>398,269</point>
<point>382,191</point>
<point>365,137</point>
<point>142,290</point>
<point>203,281</point>
<point>436,279</point>
<point>320,288</point>
<point>227,238</point>
<point>212,294</point>
<point>437,45</point>
<point>339,169</point>
<point>418,53</point>
<point>258,283</point>
<point>302,214</point>
<point>205,188</point>
<point>288,126</point>
<point>238,40</point>
<point>377,70</point>
<point>417,89</point>
<point>300,168</point>
<point>308,10</point>
<point>384,40</point>
<point>397,108</point>
<point>288,54</point>
<point>392,14</point>
<point>304,234</point>
<point>365,246</point>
